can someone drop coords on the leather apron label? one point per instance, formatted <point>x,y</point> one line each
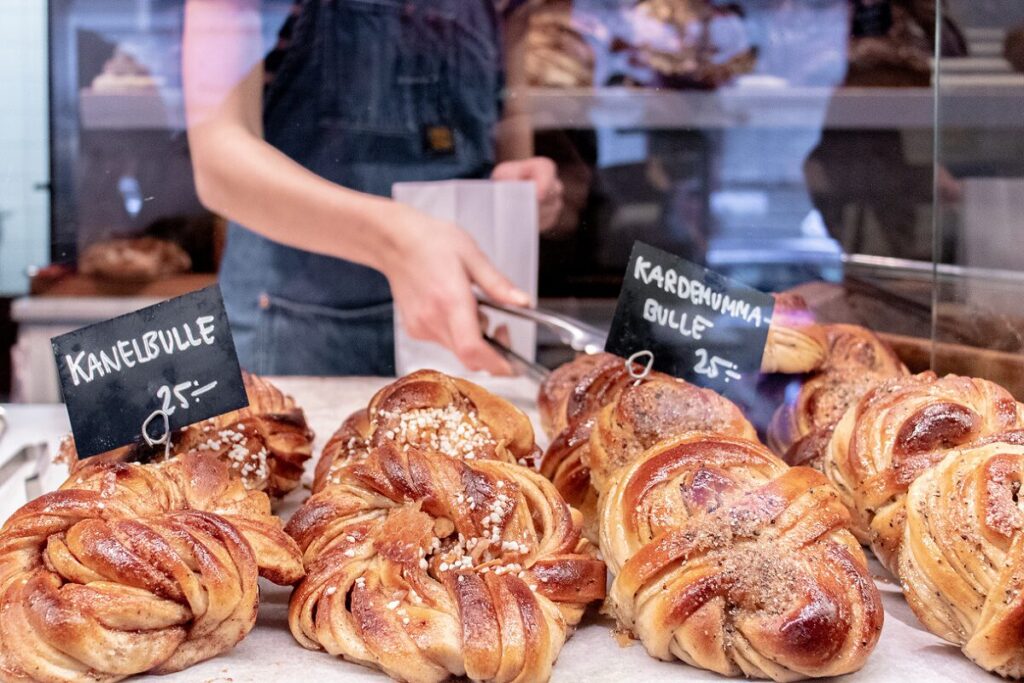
<point>438,140</point>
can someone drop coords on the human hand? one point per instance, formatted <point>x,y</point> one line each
<point>544,174</point>
<point>432,267</point>
<point>951,188</point>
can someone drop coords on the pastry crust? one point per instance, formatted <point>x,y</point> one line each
<point>896,432</point>
<point>131,568</point>
<point>729,560</point>
<point>431,552</point>
<point>265,444</point>
<point>856,361</point>
<point>960,562</point>
<point>558,388</point>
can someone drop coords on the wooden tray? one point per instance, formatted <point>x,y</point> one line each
<point>1005,369</point>
<point>64,285</point>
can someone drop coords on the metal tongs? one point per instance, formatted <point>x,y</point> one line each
<point>576,334</point>
<point>35,454</point>
<point>31,454</point>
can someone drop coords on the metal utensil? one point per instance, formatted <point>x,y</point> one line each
<point>575,334</point>
<point>534,371</point>
<point>885,266</point>
<point>25,455</point>
<point>34,482</point>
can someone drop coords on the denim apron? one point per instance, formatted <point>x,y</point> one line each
<point>369,93</point>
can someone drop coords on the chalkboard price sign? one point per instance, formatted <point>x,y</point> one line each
<point>699,325</point>
<point>176,357</point>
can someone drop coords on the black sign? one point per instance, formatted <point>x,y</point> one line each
<point>699,325</point>
<point>177,357</point>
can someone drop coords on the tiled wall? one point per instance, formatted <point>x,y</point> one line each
<point>24,210</point>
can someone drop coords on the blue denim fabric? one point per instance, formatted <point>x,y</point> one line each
<point>360,84</point>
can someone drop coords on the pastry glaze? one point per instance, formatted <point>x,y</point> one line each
<point>430,551</point>
<point>131,568</point>
<point>960,561</point>
<point>729,560</point>
<point>266,444</point>
<point>896,432</point>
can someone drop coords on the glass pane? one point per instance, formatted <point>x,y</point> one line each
<point>805,165</point>
<point>356,175</point>
<point>979,315</point>
<point>785,143</point>
<point>24,140</point>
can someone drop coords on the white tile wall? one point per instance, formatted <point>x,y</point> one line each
<point>24,211</point>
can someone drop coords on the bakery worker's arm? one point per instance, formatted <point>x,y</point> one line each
<point>515,132</point>
<point>430,264</point>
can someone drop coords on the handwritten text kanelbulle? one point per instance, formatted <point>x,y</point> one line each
<point>86,366</point>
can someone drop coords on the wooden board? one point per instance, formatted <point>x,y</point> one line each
<point>81,285</point>
<point>1005,369</point>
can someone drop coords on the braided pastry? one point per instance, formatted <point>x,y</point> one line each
<point>428,566</point>
<point>428,409</point>
<point>961,563</point>
<point>635,417</point>
<point>897,431</point>
<point>731,561</point>
<point>131,568</point>
<point>348,445</point>
<point>856,361</point>
<point>599,379</point>
<point>265,444</point>
<point>795,342</point>
<point>557,390</point>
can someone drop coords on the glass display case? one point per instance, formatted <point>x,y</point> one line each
<point>977,311</point>
<point>840,149</point>
<point>120,157</point>
<point>346,362</point>
<point>844,159</point>
<point>121,168</point>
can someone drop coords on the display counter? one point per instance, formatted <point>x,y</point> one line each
<point>595,653</point>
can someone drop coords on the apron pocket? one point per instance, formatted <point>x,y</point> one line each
<point>296,338</point>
